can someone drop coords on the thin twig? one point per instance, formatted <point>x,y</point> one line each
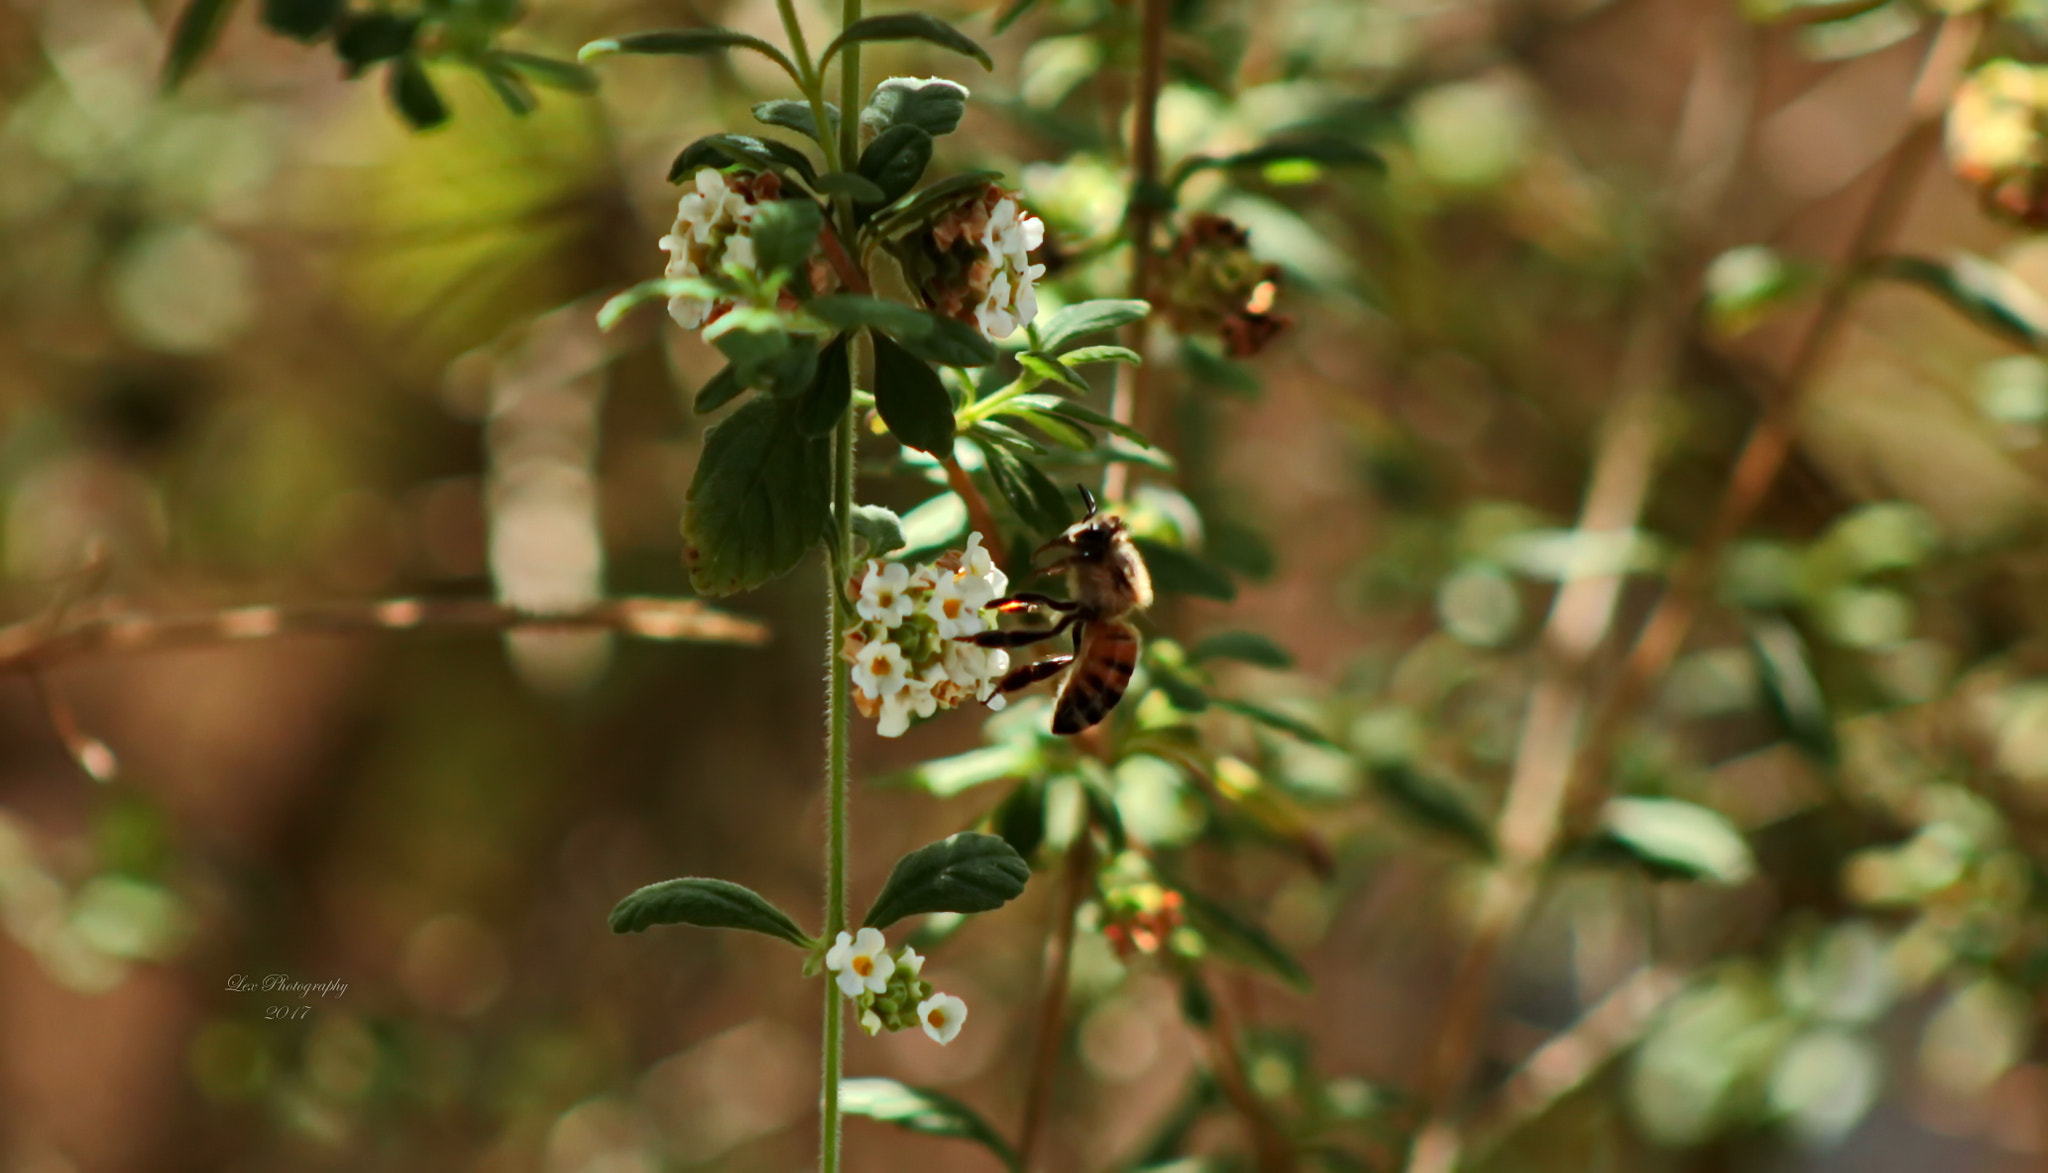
<point>1134,381</point>
<point>978,513</point>
<point>35,645</point>
<point>1275,1152</point>
<point>1052,1006</point>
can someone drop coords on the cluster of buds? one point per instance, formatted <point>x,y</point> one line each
<point>907,654</point>
<point>975,262</point>
<point>713,230</point>
<point>1996,142</point>
<point>1140,918</point>
<point>888,991</point>
<point>1214,285</point>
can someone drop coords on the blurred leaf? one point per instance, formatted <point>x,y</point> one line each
<point>1744,285</point>
<point>1081,319</point>
<point>1240,939</point>
<point>1246,646</point>
<point>795,115</point>
<point>911,399</point>
<point>1791,689</point>
<point>1029,492</point>
<point>1020,818</point>
<point>302,20</point>
<point>831,390</point>
<point>1082,355</point>
<point>658,289</point>
<point>1052,370</point>
<point>879,531</point>
<point>785,234</point>
<point>687,42</point>
<point>711,904</point>
<point>1176,571</point>
<point>193,37</point>
<point>1859,35</point>
<point>510,87</point>
<point>758,501</point>
<point>921,1110</point>
<point>412,91</point>
<point>1982,290</point>
<point>850,311</point>
<point>1432,803</point>
<point>1679,839</point>
<point>1063,432</point>
<point>1277,720</point>
<point>549,71</point>
<point>1010,14</point>
<point>719,390</point>
<point>967,872</point>
<point>907,26</point>
<point>1103,814</point>
<point>937,523</point>
<point>953,776</point>
<point>718,150</point>
<point>896,160</point>
<point>369,37</point>
<point>933,105</point>
<point>1088,415</point>
<point>853,187</point>
<point>1329,152</point>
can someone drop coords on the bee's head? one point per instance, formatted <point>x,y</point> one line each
<point>1088,540</point>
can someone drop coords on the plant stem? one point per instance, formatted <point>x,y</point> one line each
<point>813,85</point>
<point>978,514</point>
<point>1133,382</point>
<point>838,719</point>
<point>1080,857</point>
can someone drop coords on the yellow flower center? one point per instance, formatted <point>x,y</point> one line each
<point>937,1018</point>
<point>863,965</point>
<point>951,608</point>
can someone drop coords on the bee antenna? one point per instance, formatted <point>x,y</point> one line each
<point>1087,500</point>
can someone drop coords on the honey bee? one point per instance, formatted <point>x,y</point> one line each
<point>1108,580</point>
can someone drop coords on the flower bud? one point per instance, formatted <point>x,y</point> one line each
<point>1214,285</point>
<point>1995,140</point>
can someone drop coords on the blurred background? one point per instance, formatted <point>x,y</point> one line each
<point>260,342</point>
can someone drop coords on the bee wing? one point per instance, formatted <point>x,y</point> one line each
<point>1101,672</point>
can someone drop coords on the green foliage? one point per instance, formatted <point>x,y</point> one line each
<point>1324,151</point>
<point>711,904</point>
<point>933,105</point>
<point>193,36</point>
<point>719,150</point>
<point>1175,571</point>
<point>831,391</point>
<point>896,160</point>
<point>1981,290</point>
<point>413,93</point>
<point>366,38</point>
<point>1241,940</point>
<point>758,501</point>
<point>876,531</point>
<point>1077,321</point>
<point>911,399</point>
<point>686,42</point>
<point>796,115</point>
<point>968,872</point>
<point>907,26</point>
<point>785,233</point>
<point>302,20</point>
<point>1679,840</point>
<point>922,1110</point>
<point>1247,647</point>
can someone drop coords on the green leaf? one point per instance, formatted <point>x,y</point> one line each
<point>1176,571</point>
<point>759,499</point>
<point>549,71</point>
<point>657,289</point>
<point>1245,646</point>
<point>193,37</point>
<point>720,150</point>
<point>369,37</point>
<point>754,340</point>
<point>509,86</point>
<point>950,343</point>
<point>1088,415</point>
<point>1678,839</point>
<point>939,522</point>
<point>1077,321</point>
<point>831,389</point>
<point>1082,355</point>
<point>1009,15</point>
<point>851,311</point>
<point>921,1110</point>
<point>854,187</point>
<point>907,26</point>
<point>302,20</point>
<point>1052,370</point>
<point>932,104</point>
<point>1432,803</point>
<point>1791,690</point>
<point>1063,432</point>
<point>912,400</point>
<point>710,904</point>
<point>785,234</point>
<point>907,213</point>
<point>796,115</point>
<point>1030,492</point>
<point>878,530</point>
<point>1327,152</point>
<point>968,872</point>
<point>687,42</point>
<point>956,775</point>
<point>1240,939</point>
<point>1291,726</point>
<point>1186,695</point>
<point>896,160</point>
<point>1020,818</point>
<point>1982,290</point>
<point>719,390</point>
<point>412,91</point>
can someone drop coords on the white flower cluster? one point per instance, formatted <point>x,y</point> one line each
<point>906,654</point>
<point>1010,302</point>
<point>884,987</point>
<point>713,220</point>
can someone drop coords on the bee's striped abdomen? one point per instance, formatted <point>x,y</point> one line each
<point>1109,654</point>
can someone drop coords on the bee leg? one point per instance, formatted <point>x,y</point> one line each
<point>1021,638</point>
<point>1025,599</point>
<point>1031,674</point>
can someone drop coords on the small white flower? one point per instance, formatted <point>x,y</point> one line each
<point>885,594</point>
<point>881,671</point>
<point>909,961</point>
<point>1011,303</point>
<point>941,1016</point>
<point>916,697</point>
<point>955,605</point>
<point>982,565</point>
<point>739,250</point>
<point>871,1022</point>
<point>861,963</point>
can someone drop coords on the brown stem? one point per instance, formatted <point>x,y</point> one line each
<point>1052,1007</point>
<point>1133,383</point>
<point>1770,440</point>
<point>1275,1153</point>
<point>835,253</point>
<point>35,645</point>
<point>978,512</point>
